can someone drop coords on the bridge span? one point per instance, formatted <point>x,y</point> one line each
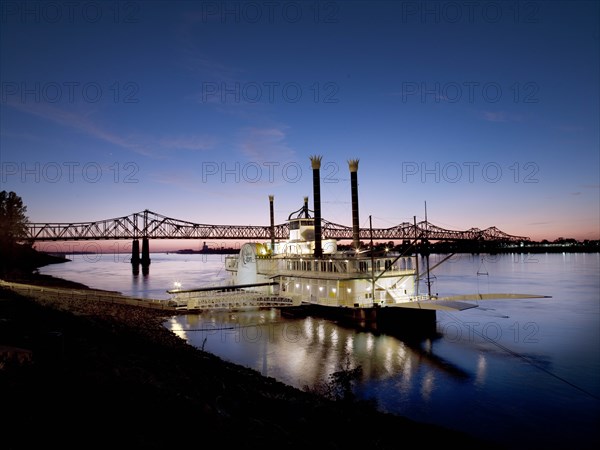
<point>151,225</point>
<point>146,225</point>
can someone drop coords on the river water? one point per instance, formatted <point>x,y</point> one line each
<point>524,373</point>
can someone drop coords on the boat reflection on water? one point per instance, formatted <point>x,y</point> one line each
<point>304,352</point>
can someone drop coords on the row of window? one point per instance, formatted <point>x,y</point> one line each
<point>321,266</point>
<point>342,266</point>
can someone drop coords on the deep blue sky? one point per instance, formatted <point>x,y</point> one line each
<point>487,111</point>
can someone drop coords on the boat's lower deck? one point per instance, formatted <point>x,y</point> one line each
<point>349,292</point>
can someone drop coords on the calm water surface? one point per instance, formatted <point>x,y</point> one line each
<point>525,373</point>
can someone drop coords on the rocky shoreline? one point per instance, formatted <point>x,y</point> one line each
<point>103,374</point>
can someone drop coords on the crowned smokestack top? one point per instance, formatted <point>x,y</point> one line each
<point>271,197</point>
<point>353,165</point>
<point>315,162</point>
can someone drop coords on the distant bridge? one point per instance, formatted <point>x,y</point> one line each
<point>151,225</point>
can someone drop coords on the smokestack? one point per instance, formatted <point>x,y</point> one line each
<point>315,162</point>
<point>305,207</point>
<point>353,165</point>
<point>272,224</point>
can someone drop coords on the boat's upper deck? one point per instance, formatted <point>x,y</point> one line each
<point>337,265</point>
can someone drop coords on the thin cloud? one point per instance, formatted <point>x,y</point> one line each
<point>492,116</point>
<point>265,144</point>
<point>184,180</point>
<point>197,143</point>
<point>501,116</point>
<point>81,123</point>
<point>192,50</point>
<point>137,144</point>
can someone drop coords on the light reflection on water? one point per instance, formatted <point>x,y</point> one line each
<point>300,352</point>
<point>524,372</point>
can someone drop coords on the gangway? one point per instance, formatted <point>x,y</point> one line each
<point>230,297</point>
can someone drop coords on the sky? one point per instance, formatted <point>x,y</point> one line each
<point>480,113</point>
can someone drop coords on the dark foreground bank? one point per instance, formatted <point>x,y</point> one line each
<point>101,375</point>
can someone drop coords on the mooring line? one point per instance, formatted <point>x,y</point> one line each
<point>529,361</point>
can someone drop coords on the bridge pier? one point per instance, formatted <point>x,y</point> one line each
<point>145,252</point>
<point>135,252</point>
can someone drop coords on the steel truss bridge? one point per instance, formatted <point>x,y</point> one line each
<point>151,225</point>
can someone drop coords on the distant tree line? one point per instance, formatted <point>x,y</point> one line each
<point>480,246</point>
<point>13,220</point>
<point>17,254</point>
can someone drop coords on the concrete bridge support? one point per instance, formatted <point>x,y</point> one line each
<point>135,252</point>
<point>145,252</point>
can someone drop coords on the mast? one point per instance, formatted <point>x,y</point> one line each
<point>416,255</point>
<point>427,252</point>
<point>372,263</point>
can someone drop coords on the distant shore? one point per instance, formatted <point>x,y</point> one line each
<point>443,248</point>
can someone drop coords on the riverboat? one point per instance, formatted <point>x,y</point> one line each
<point>314,276</point>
